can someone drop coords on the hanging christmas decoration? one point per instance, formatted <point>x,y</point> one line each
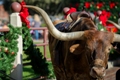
<point>6,49</point>
<point>24,14</point>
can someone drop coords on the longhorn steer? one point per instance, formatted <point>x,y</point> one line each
<point>80,54</point>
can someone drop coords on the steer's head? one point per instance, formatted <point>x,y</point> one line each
<point>98,45</point>
<point>95,46</point>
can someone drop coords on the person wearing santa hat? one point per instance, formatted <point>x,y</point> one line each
<point>67,10</point>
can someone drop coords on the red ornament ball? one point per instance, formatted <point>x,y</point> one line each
<point>16,7</point>
<point>12,53</point>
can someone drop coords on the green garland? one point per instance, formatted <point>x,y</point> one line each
<point>9,49</point>
<point>27,39</point>
<point>8,46</point>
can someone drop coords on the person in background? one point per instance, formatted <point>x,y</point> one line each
<point>31,20</point>
<point>67,10</point>
<point>1,24</point>
<point>37,24</point>
<point>5,24</point>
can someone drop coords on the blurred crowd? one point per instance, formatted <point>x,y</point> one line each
<point>35,22</point>
<point>4,16</point>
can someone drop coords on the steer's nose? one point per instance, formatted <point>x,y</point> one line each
<point>98,72</point>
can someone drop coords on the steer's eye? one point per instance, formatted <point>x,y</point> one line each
<point>109,49</point>
<point>94,54</point>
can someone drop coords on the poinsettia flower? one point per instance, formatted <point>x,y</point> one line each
<point>24,14</point>
<point>112,5</point>
<point>99,5</point>
<point>104,17</point>
<point>87,4</point>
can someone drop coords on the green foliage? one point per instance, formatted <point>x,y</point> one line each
<point>51,75</point>
<point>27,39</point>
<point>101,27</point>
<point>37,60</point>
<point>93,8</point>
<point>28,72</point>
<point>9,49</point>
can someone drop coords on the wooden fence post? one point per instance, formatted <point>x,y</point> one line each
<point>16,73</point>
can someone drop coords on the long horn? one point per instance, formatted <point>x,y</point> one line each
<point>74,23</point>
<point>116,36</point>
<point>116,25</point>
<point>53,31</point>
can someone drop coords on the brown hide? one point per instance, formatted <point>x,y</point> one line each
<point>72,59</point>
<point>76,65</point>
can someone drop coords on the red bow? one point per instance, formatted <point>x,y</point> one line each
<point>24,14</point>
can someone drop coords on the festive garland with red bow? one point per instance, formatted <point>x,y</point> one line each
<point>8,43</point>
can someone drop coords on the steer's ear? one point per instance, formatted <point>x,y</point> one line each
<point>75,49</point>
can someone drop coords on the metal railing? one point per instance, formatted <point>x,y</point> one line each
<point>45,39</point>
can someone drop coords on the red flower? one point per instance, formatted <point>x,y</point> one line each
<point>24,14</point>
<point>99,5</point>
<point>87,5</point>
<point>104,17</point>
<point>112,5</point>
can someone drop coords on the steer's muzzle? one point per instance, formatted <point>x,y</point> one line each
<point>98,70</point>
